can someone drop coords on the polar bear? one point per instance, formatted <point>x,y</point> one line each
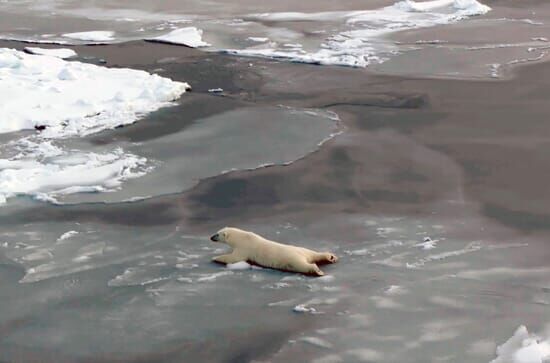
<point>250,247</point>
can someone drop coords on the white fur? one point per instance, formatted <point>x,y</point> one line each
<point>248,246</point>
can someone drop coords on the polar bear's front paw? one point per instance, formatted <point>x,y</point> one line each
<point>317,271</point>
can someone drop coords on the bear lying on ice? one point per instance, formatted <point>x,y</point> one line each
<point>250,247</point>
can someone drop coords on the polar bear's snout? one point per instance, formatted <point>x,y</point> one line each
<point>215,238</point>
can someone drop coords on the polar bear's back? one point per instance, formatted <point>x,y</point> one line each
<point>273,254</point>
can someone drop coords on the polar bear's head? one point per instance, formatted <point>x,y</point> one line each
<point>230,236</point>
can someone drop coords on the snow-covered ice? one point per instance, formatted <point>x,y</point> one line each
<point>189,36</point>
<point>67,99</point>
<point>92,36</point>
<point>74,98</point>
<point>524,347</point>
<point>68,173</point>
<point>62,53</point>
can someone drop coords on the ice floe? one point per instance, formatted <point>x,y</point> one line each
<point>189,36</point>
<point>92,36</point>
<point>65,99</point>
<point>74,98</point>
<point>62,53</point>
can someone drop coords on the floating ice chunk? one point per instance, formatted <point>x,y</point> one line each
<point>301,308</point>
<point>62,53</point>
<point>258,39</point>
<point>67,235</point>
<point>318,342</point>
<point>92,36</point>
<point>523,347</point>
<point>189,36</point>
<point>215,90</point>
<point>241,265</point>
<point>462,8</point>
<point>427,244</point>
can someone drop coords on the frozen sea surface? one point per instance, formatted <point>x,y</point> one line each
<point>158,284</point>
